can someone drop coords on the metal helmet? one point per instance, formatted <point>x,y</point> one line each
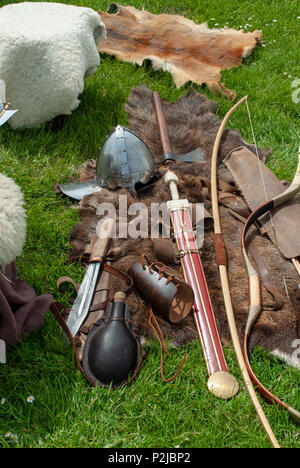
<point>124,160</point>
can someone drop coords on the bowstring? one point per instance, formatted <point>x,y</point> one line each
<point>261,172</point>
<point>266,193</point>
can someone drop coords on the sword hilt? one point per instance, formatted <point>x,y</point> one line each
<point>101,245</point>
<point>172,180</point>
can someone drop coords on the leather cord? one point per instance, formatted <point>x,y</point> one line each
<point>152,322</point>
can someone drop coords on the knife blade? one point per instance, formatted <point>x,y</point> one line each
<point>83,301</point>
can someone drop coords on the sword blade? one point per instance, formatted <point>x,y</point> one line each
<point>82,303</point>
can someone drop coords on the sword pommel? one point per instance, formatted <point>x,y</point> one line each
<point>171,177</point>
<point>172,180</point>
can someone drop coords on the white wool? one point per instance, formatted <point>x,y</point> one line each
<point>292,359</point>
<point>12,220</point>
<point>46,51</point>
<point>2,91</point>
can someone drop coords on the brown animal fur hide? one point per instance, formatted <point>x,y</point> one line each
<point>189,51</point>
<point>191,123</point>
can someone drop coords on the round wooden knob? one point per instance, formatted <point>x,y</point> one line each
<point>170,177</point>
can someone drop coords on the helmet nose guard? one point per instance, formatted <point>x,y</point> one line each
<point>124,160</point>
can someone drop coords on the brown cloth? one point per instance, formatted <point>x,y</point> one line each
<point>21,310</point>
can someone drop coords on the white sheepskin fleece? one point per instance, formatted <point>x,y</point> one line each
<point>12,220</point>
<point>46,51</point>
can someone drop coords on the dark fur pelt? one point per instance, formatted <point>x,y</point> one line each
<point>192,122</point>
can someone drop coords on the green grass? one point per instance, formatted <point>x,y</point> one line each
<point>66,412</point>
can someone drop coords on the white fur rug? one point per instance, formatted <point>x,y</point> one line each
<point>12,221</point>
<point>46,51</point>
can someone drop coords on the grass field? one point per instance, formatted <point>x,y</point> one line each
<point>65,411</point>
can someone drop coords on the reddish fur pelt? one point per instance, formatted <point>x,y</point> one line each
<point>189,51</point>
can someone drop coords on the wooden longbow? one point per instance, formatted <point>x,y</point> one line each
<point>221,260</point>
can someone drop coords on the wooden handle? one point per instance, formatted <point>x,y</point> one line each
<point>6,107</point>
<point>254,302</point>
<point>101,245</point>
<point>254,291</point>
<point>171,180</point>
<point>161,122</point>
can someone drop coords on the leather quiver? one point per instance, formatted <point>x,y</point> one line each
<point>258,185</point>
<point>171,297</point>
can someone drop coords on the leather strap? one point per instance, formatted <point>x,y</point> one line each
<point>109,269</point>
<point>220,251</point>
<point>235,203</point>
<point>57,310</point>
<point>153,324</point>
